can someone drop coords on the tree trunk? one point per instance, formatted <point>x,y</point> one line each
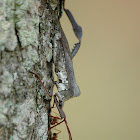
<point>27,34</point>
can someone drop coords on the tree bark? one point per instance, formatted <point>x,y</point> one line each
<point>27,34</point>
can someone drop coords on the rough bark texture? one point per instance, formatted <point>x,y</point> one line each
<point>27,36</point>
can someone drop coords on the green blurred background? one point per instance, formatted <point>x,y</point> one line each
<point>107,69</point>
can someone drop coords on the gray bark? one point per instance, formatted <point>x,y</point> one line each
<point>27,36</point>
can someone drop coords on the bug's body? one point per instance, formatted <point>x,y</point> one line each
<point>67,86</point>
<point>54,119</point>
<point>54,137</point>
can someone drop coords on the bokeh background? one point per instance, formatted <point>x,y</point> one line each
<point>107,69</point>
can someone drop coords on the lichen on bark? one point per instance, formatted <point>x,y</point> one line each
<point>27,36</point>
